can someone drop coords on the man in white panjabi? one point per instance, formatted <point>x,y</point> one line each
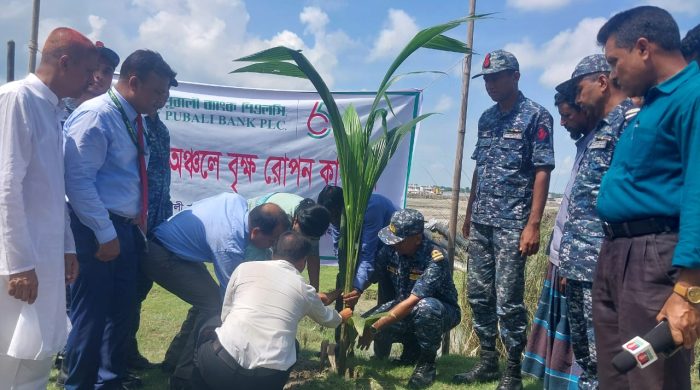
<point>37,252</point>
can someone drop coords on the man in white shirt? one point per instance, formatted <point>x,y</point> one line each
<point>254,348</point>
<point>37,251</point>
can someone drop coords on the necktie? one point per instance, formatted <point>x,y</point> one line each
<point>143,216</point>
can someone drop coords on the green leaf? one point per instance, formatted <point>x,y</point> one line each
<point>360,323</point>
<point>279,53</point>
<point>445,43</point>
<point>421,39</point>
<point>353,332</point>
<point>273,67</point>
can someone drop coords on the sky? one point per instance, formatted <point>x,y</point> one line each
<point>352,43</point>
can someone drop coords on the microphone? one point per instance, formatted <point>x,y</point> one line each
<point>642,352</point>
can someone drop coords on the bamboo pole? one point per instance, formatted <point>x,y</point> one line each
<point>457,173</point>
<point>10,61</point>
<point>33,45</point>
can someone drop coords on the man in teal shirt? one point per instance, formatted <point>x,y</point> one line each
<point>648,200</point>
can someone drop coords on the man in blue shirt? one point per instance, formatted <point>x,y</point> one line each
<point>218,230</point>
<point>100,82</point>
<point>649,264</point>
<point>105,156</point>
<point>377,216</point>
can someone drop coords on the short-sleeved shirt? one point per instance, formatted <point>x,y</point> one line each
<point>426,274</point>
<point>510,146</point>
<point>214,230</point>
<point>583,231</point>
<point>654,170</point>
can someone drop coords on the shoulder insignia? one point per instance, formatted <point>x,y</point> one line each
<point>437,255</point>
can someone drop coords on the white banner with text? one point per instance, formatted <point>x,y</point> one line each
<point>255,142</point>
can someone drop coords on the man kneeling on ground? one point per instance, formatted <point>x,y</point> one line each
<point>254,348</point>
<point>425,305</point>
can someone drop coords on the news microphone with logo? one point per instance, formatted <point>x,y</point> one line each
<point>644,351</point>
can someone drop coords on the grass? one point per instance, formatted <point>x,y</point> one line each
<point>163,313</point>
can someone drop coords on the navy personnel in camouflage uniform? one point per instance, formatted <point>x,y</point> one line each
<point>583,235</point>
<point>425,305</point>
<point>514,158</point>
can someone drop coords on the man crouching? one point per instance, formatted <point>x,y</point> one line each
<point>254,348</point>
<point>425,305</point>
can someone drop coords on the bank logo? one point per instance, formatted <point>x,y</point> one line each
<point>318,124</point>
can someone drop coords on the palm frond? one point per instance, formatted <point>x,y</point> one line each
<point>273,67</point>
<point>279,53</point>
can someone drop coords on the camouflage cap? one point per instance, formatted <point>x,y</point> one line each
<point>498,61</point>
<point>404,223</point>
<point>109,55</point>
<point>593,63</point>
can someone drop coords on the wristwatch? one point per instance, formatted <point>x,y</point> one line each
<point>690,293</point>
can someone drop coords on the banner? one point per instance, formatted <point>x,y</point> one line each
<point>255,142</point>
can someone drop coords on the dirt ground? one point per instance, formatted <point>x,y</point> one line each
<point>436,208</point>
<point>439,207</point>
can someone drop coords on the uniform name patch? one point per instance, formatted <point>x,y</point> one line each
<point>600,144</point>
<point>513,135</point>
<point>415,273</point>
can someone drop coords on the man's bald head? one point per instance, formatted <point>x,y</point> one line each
<point>266,222</point>
<point>68,60</point>
<point>65,41</point>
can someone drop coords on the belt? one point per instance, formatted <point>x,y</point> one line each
<point>221,352</point>
<point>641,227</point>
<point>123,220</point>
